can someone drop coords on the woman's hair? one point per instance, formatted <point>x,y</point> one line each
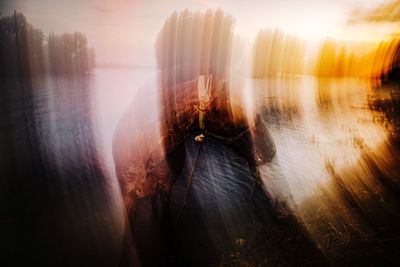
<point>194,43</point>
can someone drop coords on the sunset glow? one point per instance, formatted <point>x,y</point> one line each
<point>184,133</point>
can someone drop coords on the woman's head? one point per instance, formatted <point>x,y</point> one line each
<point>191,44</point>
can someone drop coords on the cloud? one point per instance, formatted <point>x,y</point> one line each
<point>388,12</point>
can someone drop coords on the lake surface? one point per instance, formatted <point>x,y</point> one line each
<point>312,121</point>
<point>67,188</point>
<point>315,121</point>
<point>336,165</point>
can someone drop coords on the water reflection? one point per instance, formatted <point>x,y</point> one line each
<point>57,206</point>
<point>337,160</point>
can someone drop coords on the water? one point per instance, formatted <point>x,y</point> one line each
<point>337,158</point>
<point>314,121</point>
<point>337,162</point>
<point>60,202</point>
<point>57,135</point>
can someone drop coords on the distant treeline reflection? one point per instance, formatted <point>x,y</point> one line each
<point>27,51</point>
<point>278,53</point>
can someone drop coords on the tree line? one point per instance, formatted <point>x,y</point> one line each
<point>26,51</point>
<point>277,53</point>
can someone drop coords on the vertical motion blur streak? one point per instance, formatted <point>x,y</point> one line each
<point>56,206</point>
<point>199,133</point>
<point>336,134</point>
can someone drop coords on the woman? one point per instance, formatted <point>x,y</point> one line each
<point>186,152</point>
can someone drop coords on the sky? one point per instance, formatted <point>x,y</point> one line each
<point>124,31</point>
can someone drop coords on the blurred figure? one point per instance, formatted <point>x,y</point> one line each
<point>186,153</point>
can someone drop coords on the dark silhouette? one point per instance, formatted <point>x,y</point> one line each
<point>191,186</point>
<point>55,207</point>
